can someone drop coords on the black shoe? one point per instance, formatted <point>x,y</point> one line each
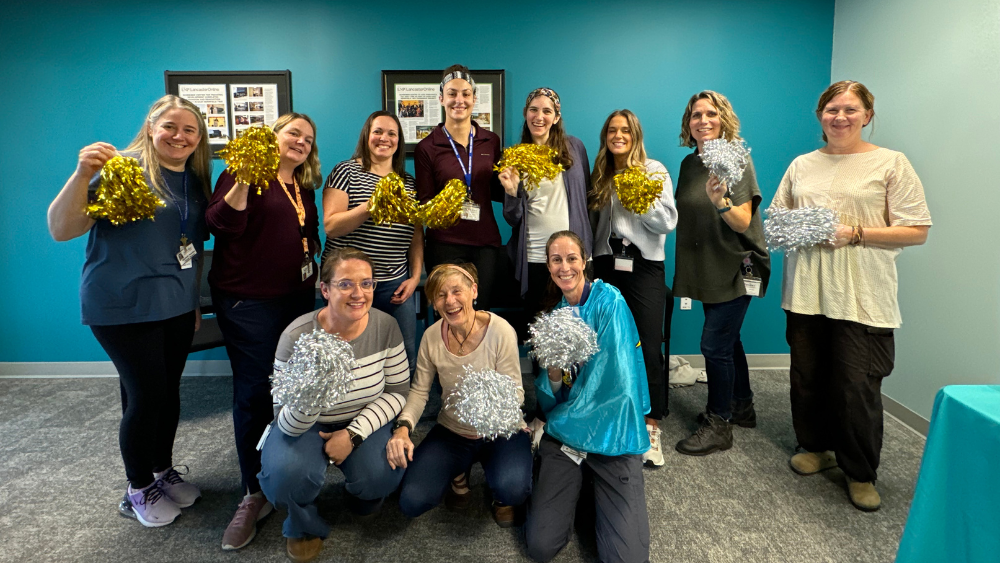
<point>714,435</point>
<point>743,413</point>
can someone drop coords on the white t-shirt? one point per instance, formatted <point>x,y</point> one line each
<point>548,212</point>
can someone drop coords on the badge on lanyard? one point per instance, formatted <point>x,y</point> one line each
<point>623,263</point>
<point>576,455</point>
<point>470,209</point>
<point>307,268</point>
<point>751,283</point>
<point>186,252</point>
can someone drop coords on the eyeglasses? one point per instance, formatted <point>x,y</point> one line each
<point>347,286</point>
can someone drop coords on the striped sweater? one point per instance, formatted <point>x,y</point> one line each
<point>381,377</point>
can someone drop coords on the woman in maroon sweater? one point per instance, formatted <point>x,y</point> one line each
<point>445,155</point>
<point>263,277</point>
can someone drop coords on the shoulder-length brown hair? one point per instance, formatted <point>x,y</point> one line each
<point>838,88</point>
<point>557,134</point>
<point>363,153</point>
<point>604,165</point>
<point>308,174</point>
<point>727,117</point>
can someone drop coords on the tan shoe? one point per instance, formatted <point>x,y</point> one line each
<point>864,496</point>
<point>810,463</point>
<point>302,550</point>
<point>503,515</point>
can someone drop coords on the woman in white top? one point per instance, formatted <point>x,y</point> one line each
<point>840,299</point>
<point>628,254</point>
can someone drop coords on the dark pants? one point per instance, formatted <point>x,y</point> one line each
<point>251,329</point>
<point>836,376</point>
<point>483,257</point>
<point>150,358</point>
<point>725,360</point>
<point>647,296</point>
<point>444,455</point>
<point>622,522</point>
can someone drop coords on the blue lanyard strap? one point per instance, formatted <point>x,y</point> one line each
<point>184,214</point>
<point>466,171</point>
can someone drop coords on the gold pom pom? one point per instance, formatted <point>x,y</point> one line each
<point>123,195</point>
<point>445,209</point>
<point>390,202</point>
<point>533,162</point>
<point>252,158</point>
<point>637,189</point>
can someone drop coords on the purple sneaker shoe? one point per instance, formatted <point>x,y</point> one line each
<point>149,505</point>
<point>182,493</point>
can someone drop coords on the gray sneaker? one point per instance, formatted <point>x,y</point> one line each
<point>181,492</point>
<point>149,505</point>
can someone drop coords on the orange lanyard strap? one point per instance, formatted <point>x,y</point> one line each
<point>300,210</point>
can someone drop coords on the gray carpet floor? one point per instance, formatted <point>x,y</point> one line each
<point>61,478</point>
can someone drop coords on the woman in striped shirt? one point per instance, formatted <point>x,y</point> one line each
<point>397,250</point>
<point>354,433</point>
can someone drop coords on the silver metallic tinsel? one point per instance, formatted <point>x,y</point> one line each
<point>487,401</point>
<point>561,339</point>
<point>318,374</point>
<point>788,230</point>
<point>726,159</point>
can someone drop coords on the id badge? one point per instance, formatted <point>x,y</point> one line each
<point>752,286</point>
<point>576,455</point>
<point>623,263</point>
<point>470,211</point>
<point>307,269</point>
<point>267,431</point>
<point>184,256</point>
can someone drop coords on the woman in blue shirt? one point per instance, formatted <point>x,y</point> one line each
<point>139,293</point>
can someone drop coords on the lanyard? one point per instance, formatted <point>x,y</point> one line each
<point>300,211</point>
<point>466,171</point>
<point>184,213</point>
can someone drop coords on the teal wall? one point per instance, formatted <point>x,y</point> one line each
<point>935,74</point>
<point>74,74</point>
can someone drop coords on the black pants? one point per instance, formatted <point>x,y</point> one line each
<point>621,518</point>
<point>150,358</point>
<point>836,377</point>
<point>647,296</point>
<point>251,329</point>
<point>483,257</point>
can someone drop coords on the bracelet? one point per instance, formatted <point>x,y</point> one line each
<point>729,205</point>
<point>855,235</point>
<point>401,423</point>
<point>861,232</point>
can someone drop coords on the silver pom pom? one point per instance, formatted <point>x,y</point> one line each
<point>726,159</point>
<point>487,401</point>
<point>318,374</point>
<point>788,230</point>
<point>561,339</point>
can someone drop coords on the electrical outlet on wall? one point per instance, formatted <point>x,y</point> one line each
<point>685,303</point>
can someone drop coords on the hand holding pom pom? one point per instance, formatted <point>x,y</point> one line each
<point>390,202</point>
<point>487,401</point>
<point>789,230</point>
<point>252,158</point>
<point>561,340</point>
<point>726,159</point>
<point>317,376</point>
<point>534,163</point>
<point>637,189</point>
<point>445,209</point>
<point>123,195</point>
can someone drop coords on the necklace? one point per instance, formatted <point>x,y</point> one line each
<point>461,343</point>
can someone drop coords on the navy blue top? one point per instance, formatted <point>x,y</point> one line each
<point>131,274</point>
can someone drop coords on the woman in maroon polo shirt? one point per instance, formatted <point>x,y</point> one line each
<point>461,148</point>
<point>263,277</point>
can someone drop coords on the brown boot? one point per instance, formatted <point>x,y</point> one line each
<point>302,550</point>
<point>810,463</point>
<point>503,515</point>
<point>458,495</point>
<point>863,496</point>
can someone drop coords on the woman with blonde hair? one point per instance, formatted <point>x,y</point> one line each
<point>263,276</point>
<point>140,299</point>
<point>628,254</point>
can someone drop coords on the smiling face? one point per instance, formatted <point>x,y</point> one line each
<point>352,305</point>
<point>295,142</point>
<point>540,116</point>
<point>705,123</point>
<point>843,118</point>
<point>458,99</point>
<point>383,138</point>
<point>566,264</point>
<point>454,298</point>
<point>175,137</point>
<point>619,137</point>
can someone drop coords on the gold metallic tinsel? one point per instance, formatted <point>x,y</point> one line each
<point>390,202</point>
<point>446,208</point>
<point>252,158</point>
<point>637,189</point>
<point>533,162</point>
<point>123,195</point>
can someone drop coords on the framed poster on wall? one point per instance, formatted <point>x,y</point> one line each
<point>413,96</point>
<point>231,101</point>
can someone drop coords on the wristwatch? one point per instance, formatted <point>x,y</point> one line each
<point>356,439</point>
<point>729,205</point>
<point>401,423</point>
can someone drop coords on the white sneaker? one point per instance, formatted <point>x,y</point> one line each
<point>654,455</point>
<point>149,505</point>
<point>182,493</point>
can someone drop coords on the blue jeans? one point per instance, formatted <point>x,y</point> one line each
<point>293,470</point>
<point>405,314</point>
<point>444,455</point>
<point>725,360</point>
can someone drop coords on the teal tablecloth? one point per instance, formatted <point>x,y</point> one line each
<point>955,515</point>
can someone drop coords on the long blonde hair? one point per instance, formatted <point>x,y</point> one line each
<point>200,160</point>
<point>309,175</point>
<point>604,165</point>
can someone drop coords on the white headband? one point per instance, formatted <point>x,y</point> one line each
<point>457,74</point>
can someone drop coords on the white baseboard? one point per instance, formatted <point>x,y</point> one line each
<point>55,370</point>
<point>755,361</point>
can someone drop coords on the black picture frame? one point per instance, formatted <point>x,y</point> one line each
<point>424,80</point>
<point>281,80</point>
